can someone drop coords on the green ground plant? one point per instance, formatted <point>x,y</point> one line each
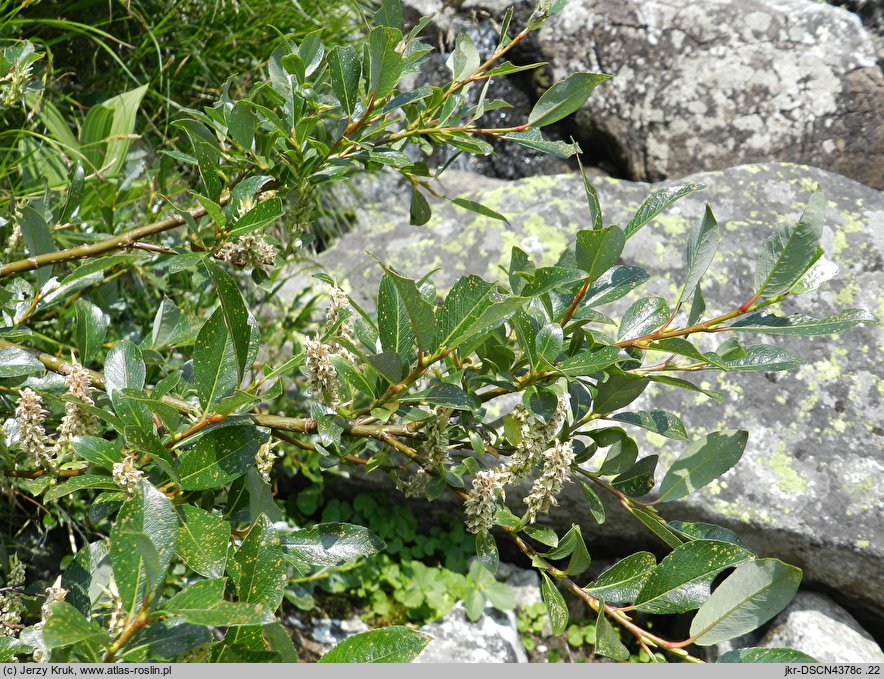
<point>155,386</point>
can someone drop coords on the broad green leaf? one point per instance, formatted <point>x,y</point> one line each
<point>533,139</point>
<point>464,58</point>
<point>819,273</point>
<point>76,483</point>
<point>385,645</point>
<point>621,457</point>
<point>549,278</point>
<point>682,347</point>
<point>750,596</point>
<point>765,655</point>
<point>684,384</point>
<point>215,364</point>
<point>394,328</point>
<point>262,215</point>
<point>658,421</point>
<point>486,550</point>
<point>419,310</point>
<point>681,582</point>
<point>704,461</point>
<point>573,545</point>
<point>618,392</point>
<point>445,396</point>
<point>124,368</point>
<point>556,607</point>
<point>622,582</point>
<point>202,603</point>
<point>479,209</point>
<point>652,521</point>
<point>548,343</point>
<point>701,248</point>
<point>589,362</point>
<point>142,542</point>
<point>643,317</point>
<point>91,329</point>
<point>166,325</point>
<point>385,64</point>
<point>658,201</point>
<point>763,358</point>
<point>124,108</point>
<point>615,283</point>
<point>219,457</point>
<point>203,539</point>
<point>165,639</point>
<point>598,250</point>
<point>65,626</point>
<point>419,212</point>
<point>607,643</point>
<point>470,308</point>
<point>545,536</point>
<point>596,508</point>
<point>389,14</point>
<point>97,451</point>
<point>233,308</point>
<point>331,544</point>
<point>706,531</point>
<point>15,362</point>
<point>768,324</point>
<point>564,98</point>
<point>345,68</point>
<point>790,250</point>
<point>638,480</point>
<point>243,123</point>
<point>258,568</point>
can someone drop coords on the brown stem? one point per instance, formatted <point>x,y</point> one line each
<point>37,473</point>
<point>581,293</point>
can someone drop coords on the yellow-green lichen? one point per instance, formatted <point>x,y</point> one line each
<point>780,463</point>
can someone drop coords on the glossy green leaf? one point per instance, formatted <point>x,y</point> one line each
<point>15,362</point>
<point>66,626</point>
<point>622,582</point>
<point>219,457</point>
<point>790,250</point>
<point>548,343</point>
<point>652,521</point>
<point>679,383</point>
<point>764,358</point>
<point>385,645</point>
<point>203,539</point>
<point>658,201</point>
<point>258,568</point>
<point>556,607</point>
<point>91,329</point>
<point>345,68</point>
<point>682,347</point>
<point>681,582</point>
<point>765,655</point>
<point>420,211</point>
<point>701,248</point>
<point>533,139</point>
<point>706,531</point>
<point>445,396</point>
<point>472,307</point>
<point>549,278</point>
<point>264,214</point>
<point>704,461</point>
<point>618,392</point>
<point>97,451</point>
<point>658,421</point>
<point>592,198</point>
<point>331,544</point>
<point>596,508</point>
<point>564,98</point>
<point>615,283</point>
<point>124,368</point>
<point>233,308</point>
<point>394,328</point>
<point>643,317</point>
<point>385,64</point>
<point>479,209</point>
<point>464,58</point>
<point>598,250</point>
<point>768,324</point>
<point>607,643</point>
<point>77,483</point>
<point>202,603</point>
<point>486,550</point>
<point>419,310</point>
<point>589,362</point>
<point>215,364</point>
<point>750,596</point>
<point>638,480</point>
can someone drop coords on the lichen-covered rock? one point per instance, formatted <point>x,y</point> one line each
<point>816,625</point>
<point>808,486</point>
<point>493,638</point>
<point>713,84</point>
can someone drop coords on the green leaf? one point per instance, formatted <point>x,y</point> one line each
<point>142,542</point>
<point>394,328</point>
<point>765,655</point>
<point>91,329</point>
<point>124,368</point>
<point>385,64</point>
<point>564,98</point>
<point>819,273</point>
<point>15,362</point>
<point>124,108</point>
<point>258,568</point>
<point>215,364</point>
<point>545,536</point>
<point>573,545</point>
<point>658,201</point>
<point>621,457</point>
<point>486,550</point>
<point>684,384</point>
<point>681,582</point>
<point>76,483</point>
<point>788,252</point>
<point>219,457</point>
<point>607,643</point>
<point>750,596</point>
<point>445,396</point>
<point>596,508</point>
<point>658,421</point>
<point>472,306</point>
<point>622,582</point>
<point>589,362</point>
<point>37,238</point>
<point>419,310</point>
<point>618,392</point>
<point>243,123</point>
<point>704,461</point>
<point>262,215</point>
<point>420,211</point>
<point>701,248</point>
<point>638,480</point>
<point>549,278</point>
<point>479,209</point>
<point>592,198</point>
<point>681,347</point>
<point>385,645</point>
<point>389,14</point>
<point>97,451</point>
<point>643,317</point>
<point>65,626</point>
<point>464,59</point>
<point>345,69</point>
<point>768,324</point>
<point>203,539</point>
<point>763,358</point>
<point>652,521</point>
<point>556,607</point>
<point>201,603</point>
<point>548,343</point>
<point>331,544</point>
<point>233,307</point>
<point>615,283</point>
<point>598,250</point>
<point>533,139</point>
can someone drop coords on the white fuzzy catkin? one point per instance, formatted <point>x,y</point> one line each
<point>556,473</point>
<point>126,475</point>
<point>249,250</point>
<point>32,439</point>
<point>480,506</point>
<point>322,379</point>
<point>76,421</point>
<point>11,605</point>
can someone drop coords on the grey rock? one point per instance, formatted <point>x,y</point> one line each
<point>491,639</point>
<point>871,13</point>
<point>714,84</point>
<point>329,632</point>
<point>525,584</point>
<point>807,488</point>
<point>816,625</point>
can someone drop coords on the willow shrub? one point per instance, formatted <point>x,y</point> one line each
<point>149,410</point>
